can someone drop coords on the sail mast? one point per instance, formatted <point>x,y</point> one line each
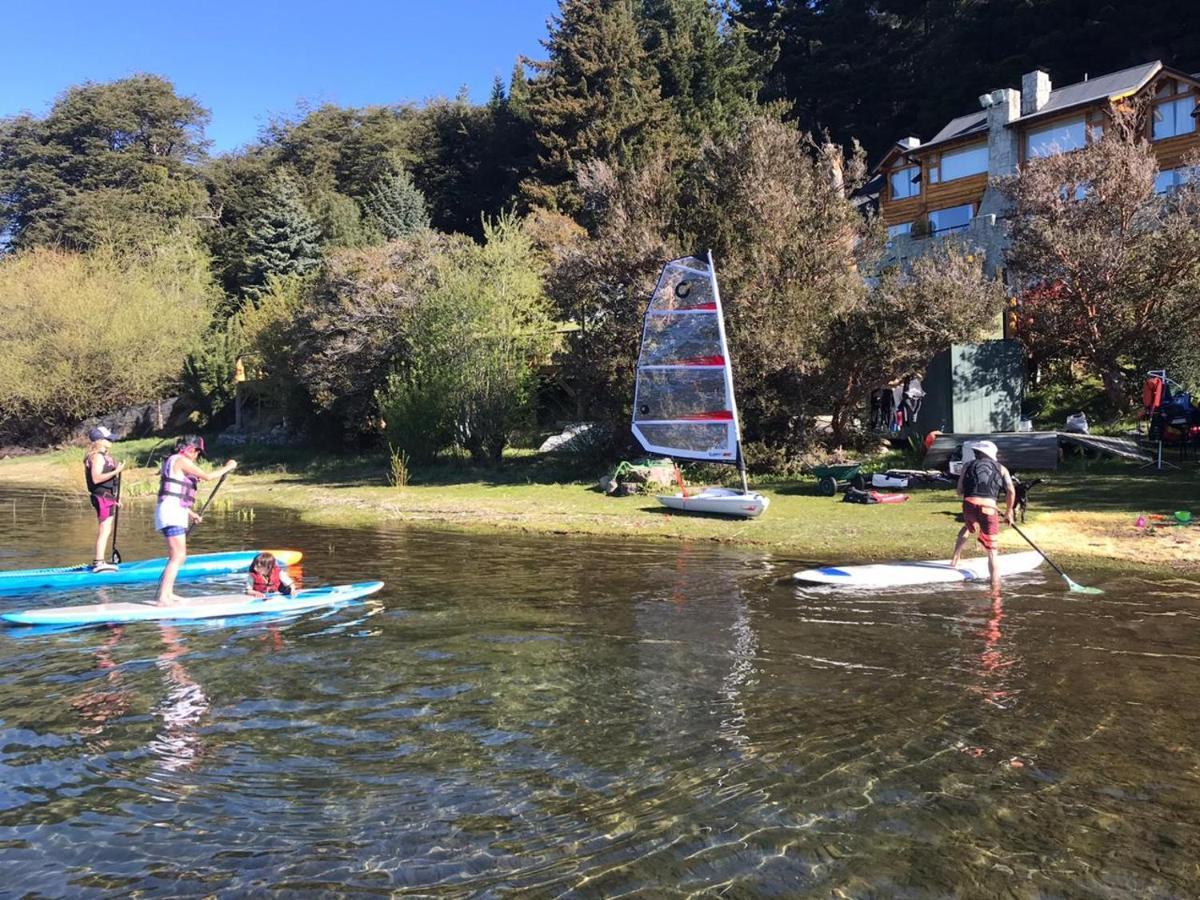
<point>737,422</point>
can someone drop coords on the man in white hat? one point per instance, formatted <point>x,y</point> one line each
<point>980,484</point>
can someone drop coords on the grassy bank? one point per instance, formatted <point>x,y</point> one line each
<point>1085,513</point>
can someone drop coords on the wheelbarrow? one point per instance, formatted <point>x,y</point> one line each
<point>836,477</point>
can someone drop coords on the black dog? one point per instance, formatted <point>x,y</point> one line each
<point>1023,488</point>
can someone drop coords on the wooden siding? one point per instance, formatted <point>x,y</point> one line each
<point>958,192</point>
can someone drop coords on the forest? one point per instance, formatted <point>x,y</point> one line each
<point>451,275</point>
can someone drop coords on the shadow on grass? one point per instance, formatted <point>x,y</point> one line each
<point>351,470</point>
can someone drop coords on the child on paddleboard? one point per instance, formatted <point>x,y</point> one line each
<point>268,577</point>
<point>979,485</point>
<point>177,482</point>
<point>101,473</point>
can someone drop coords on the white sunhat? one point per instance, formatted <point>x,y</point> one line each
<point>985,448</point>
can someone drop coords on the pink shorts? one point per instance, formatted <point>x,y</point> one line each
<point>106,507</point>
<point>984,520</point>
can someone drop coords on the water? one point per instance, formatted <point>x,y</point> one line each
<point>585,718</point>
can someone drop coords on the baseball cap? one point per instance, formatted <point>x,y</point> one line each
<point>100,433</point>
<point>192,440</point>
<point>985,448</point>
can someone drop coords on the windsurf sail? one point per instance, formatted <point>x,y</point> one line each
<point>684,405</point>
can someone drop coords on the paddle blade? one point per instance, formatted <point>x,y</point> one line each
<point>1081,588</point>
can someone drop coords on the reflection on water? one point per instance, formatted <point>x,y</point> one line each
<point>591,718</point>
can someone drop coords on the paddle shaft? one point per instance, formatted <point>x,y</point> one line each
<point>1041,551</point>
<point>116,554</point>
<point>208,500</point>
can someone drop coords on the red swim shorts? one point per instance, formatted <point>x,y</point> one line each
<point>982,519</point>
<point>105,507</point>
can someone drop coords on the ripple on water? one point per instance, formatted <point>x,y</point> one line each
<point>592,718</point>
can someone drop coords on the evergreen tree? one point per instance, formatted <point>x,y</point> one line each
<point>110,164</point>
<point>282,237</point>
<point>396,206</point>
<point>706,69</point>
<point>596,97</point>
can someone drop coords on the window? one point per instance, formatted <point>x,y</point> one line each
<point>1169,179</point>
<point>961,163</point>
<point>906,183</point>
<point>1061,137</point>
<point>954,218</point>
<point>901,228</point>
<point>1174,118</point>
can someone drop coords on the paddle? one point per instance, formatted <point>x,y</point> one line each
<point>1075,588</point>
<point>208,500</point>
<point>116,554</point>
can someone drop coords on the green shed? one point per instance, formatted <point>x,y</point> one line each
<point>974,388</point>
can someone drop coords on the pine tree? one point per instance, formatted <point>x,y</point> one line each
<point>282,237</point>
<point>706,69</point>
<point>397,206</point>
<point>596,97</point>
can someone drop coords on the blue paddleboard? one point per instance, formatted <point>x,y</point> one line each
<point>201,565</point>
<point>208,606</point>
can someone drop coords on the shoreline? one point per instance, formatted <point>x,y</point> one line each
<point>798,525</point>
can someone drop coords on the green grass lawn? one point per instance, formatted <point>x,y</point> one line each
<point>1084,513</point>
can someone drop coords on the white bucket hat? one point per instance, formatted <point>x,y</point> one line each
<point>985,448</point>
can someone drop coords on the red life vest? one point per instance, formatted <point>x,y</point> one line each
<point>272,584</point>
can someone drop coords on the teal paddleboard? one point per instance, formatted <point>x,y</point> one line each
<point>202,565</point>
<point>208,606</point>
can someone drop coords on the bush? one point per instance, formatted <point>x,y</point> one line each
<point>83,335</point>
<point>467,377</point>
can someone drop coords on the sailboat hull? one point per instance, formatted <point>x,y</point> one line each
<point>718,502</point>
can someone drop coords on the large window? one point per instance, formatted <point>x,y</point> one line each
<point>954,218</point>
<point>900,228</point>
<point>906,183</point>
<point>1058,138</point>
<point>961,163</point>
<point>1169,179</point>
<point>1174,118</point>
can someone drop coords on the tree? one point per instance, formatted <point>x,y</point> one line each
<point>706,69</point>
<point>282,238</point>
<point>468,377</point>
<point>596,97</point>
<point>111,164</point>
<point>396,206</point>
<point>1109,272</point>
<point>903,321</point>
<point>58,367</point>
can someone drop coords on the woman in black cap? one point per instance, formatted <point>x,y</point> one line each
<point>101,472</point>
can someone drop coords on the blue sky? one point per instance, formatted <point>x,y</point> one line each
<point>248,62</point>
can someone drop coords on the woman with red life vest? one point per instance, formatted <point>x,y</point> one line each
<point>101,472</point>
<point>177,482</point>
<point>268,577</point>
<point>979,485</point>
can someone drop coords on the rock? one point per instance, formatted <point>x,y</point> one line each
<point>137,421</point>
<point>571,438</point>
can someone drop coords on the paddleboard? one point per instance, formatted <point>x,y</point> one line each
<point>201,565</point>
<point>206,606</point>
<point>903,574</point>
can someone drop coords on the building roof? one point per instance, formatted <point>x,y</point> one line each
<point>1114,84</point>
<point>1105,87</point>
<point>961,127</point>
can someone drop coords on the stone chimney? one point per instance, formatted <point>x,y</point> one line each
<point>909,143</point>
<point>1035,91</point>
<point>1004,145</point>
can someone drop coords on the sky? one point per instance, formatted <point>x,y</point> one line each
<point>252,61</point>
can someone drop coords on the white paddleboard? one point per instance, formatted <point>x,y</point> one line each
<point>209,606</point>
<point>719,502</point>
<point>902,574</point>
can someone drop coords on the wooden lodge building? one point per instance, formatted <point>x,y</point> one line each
<point>945,185</point>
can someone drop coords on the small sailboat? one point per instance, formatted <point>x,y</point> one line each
<point>684,405</point>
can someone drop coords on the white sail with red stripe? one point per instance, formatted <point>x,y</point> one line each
<point>684,405</point>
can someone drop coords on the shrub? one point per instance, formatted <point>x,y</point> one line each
<point>82,335</point>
